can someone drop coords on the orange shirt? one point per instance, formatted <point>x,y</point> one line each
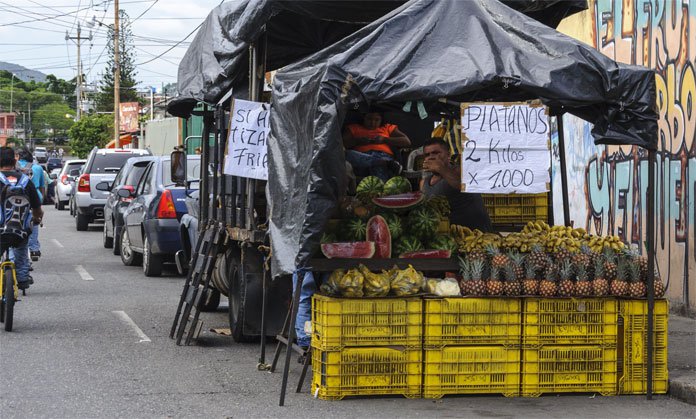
<point>357,131</point>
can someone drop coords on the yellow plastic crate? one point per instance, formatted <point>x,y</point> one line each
<point>472,321</point>
<point>341,322</point>
<point>471,370</point>
<point>634,316</point>
<point>517,208</point>
<point>569,369</point>
<point>560,321</point>
<point>366,372</point>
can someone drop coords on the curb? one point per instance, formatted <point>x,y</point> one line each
<point>682,391</point>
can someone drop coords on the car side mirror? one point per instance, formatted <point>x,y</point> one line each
<point>53,176</point>
<point>103,186</point>
<point>124,193</point>
<point>178,167</point>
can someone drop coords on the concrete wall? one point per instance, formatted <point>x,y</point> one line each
<point>162,135</point>
<point>607,184</point>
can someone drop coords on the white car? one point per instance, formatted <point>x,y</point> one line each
<point>64,184</point>
<point>41,154</point>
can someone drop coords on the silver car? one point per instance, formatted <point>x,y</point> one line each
<point>66,177</point>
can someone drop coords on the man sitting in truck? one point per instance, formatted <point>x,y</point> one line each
<point>444,179</point>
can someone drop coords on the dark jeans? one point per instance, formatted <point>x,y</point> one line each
<point>370,163</point>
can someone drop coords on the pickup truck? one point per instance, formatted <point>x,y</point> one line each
<point>41,155</point>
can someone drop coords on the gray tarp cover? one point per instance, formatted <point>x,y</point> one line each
<point>425,50</point>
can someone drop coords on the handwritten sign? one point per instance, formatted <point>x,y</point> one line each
<point>505,148</point>
<point>247,154</point>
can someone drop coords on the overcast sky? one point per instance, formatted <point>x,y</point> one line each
<point>32,34</point>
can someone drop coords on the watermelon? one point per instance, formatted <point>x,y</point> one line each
<point>397,185</point>
<point>427,254</point>
<point>378,232</point>
<point>328,238</point>
<point>370,187</point>
<point>349,250</point>
<point>408,244</point>
<point>443,242</point>
<point>423,221</point>
<point>355,229</point>
<point>394,223</point>
<point>400,201</point>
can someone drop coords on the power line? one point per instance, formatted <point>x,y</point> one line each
<point>169,49</point>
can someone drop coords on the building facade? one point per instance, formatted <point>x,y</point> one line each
<point>7,126</point>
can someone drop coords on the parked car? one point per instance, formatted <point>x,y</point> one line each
<point>40,154</point>
<point>51,186</point>
<point>54,163</point>
<point>127,178</point>
<point>102,165</point>
<point>151,233</point>
<point>66,179</point>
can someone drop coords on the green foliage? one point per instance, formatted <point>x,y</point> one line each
<point>88,132</point>
<point>53,118</point>
<point>128,93</point>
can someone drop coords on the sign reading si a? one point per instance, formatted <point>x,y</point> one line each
<point>247,154</point>
<point>506,148</point>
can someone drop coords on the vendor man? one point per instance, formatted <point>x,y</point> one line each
<point>444,179</point>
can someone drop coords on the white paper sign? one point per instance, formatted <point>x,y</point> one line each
<point>247,154</point>
<point>506,148</point>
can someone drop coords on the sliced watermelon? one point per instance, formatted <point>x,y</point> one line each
<point>349,250</point>
<point>427,254</point>
<point>378,232</point>
<point>400,201</point>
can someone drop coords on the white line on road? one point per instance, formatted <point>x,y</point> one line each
<point>57,243</point>
<point>127,320</point>
<point>83,273</point>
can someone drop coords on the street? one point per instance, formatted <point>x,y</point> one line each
<point>91,340</point>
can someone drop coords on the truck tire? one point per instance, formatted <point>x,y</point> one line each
<point>81,222</point>
<point>251,263</point>
<point>211,300</point>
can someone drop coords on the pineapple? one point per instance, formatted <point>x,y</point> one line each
<point>563,254</point>
<point>583,257</point>
<point>465,272</point>
<point>512,285</point>
<point>600,286</point>
<point>583,286</point>
<point>619,286</point>
<point>659,287</point>
<point>494,284</point>
<point>566,286</point>
<point>609,264</point>
<point>537,258</point>
<point>517,260</point>
<point>498,259</point>
<point>636,287</point>
<point>547,286</point>
<point>476,285</point>
<point>530,285</point>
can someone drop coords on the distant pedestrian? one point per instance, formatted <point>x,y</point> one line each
<point>35,172</point>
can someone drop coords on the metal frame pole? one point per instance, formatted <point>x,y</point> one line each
<point>204,198</point>
<point>564,172</point>
<point>652,158</point>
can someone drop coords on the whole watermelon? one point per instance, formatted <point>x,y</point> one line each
<point>407,244</point>
<point>394,223</point>
<point>370,187</point>
<point>423,221</point>
<point>443,242</point>
<point>328,238</point>
<point>396,185</point>
<point>355,229</point>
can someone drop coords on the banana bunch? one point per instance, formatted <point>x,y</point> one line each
<point>375,285</point>
<point>440,204</point>
<point>406,282</point>
<point>598,243</point>
<point>469,240</point>
<point>351,284</point>
<point>332,286</point>
<point>521,242</point>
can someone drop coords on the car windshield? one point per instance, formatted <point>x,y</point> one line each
<point>109,163</point>
<point>55,161</point>
<point>193,171</point>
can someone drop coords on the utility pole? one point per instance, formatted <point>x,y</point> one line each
<point>78,89</point>
<point>117,80</point>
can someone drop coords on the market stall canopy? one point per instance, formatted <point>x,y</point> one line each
<point>217,59</point>
<point>423,51</point>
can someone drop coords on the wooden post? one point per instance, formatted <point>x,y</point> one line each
<point>117,80</point>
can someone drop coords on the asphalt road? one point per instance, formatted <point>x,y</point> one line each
<point>74,354</point>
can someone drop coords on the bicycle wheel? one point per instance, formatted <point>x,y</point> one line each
<point>8,297</point>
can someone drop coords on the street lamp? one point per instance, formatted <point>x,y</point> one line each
<point>12,90</point>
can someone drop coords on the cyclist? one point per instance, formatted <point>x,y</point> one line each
<point>36,174</point>
<point>11,176</point>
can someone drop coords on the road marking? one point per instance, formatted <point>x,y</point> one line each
<point>57,243</point>
<point>127,320</point>
<point>83,273</point>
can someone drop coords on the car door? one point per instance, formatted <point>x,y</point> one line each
<point>136,209</point>
<point>113,198</point>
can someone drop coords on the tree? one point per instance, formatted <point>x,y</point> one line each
<point>89,132</point>
<point>55,117</point>
<point>105,99</point>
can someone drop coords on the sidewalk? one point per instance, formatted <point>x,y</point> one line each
<point>682,358</point>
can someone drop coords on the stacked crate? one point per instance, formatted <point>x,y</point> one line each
<point>569,345</point>
<point>471,346</point>
<point>517,209</point>
<point>366,346</point>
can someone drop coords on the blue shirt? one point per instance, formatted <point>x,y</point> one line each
<point>37,177</point>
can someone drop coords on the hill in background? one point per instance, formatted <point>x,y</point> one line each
<point>23,73</point>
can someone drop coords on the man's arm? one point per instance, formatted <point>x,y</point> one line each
<point>349,141</point>
<point>397,139</point>
<point>451,175</point>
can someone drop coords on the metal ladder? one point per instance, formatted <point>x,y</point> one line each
<point>196,286</point>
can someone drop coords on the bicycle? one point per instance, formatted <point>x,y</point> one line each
<point>9,290</point>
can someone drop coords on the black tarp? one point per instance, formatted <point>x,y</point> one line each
<point>422,51</point>
<point>217,59</point>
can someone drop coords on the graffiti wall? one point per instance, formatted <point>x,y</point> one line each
<point>607,184</point>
